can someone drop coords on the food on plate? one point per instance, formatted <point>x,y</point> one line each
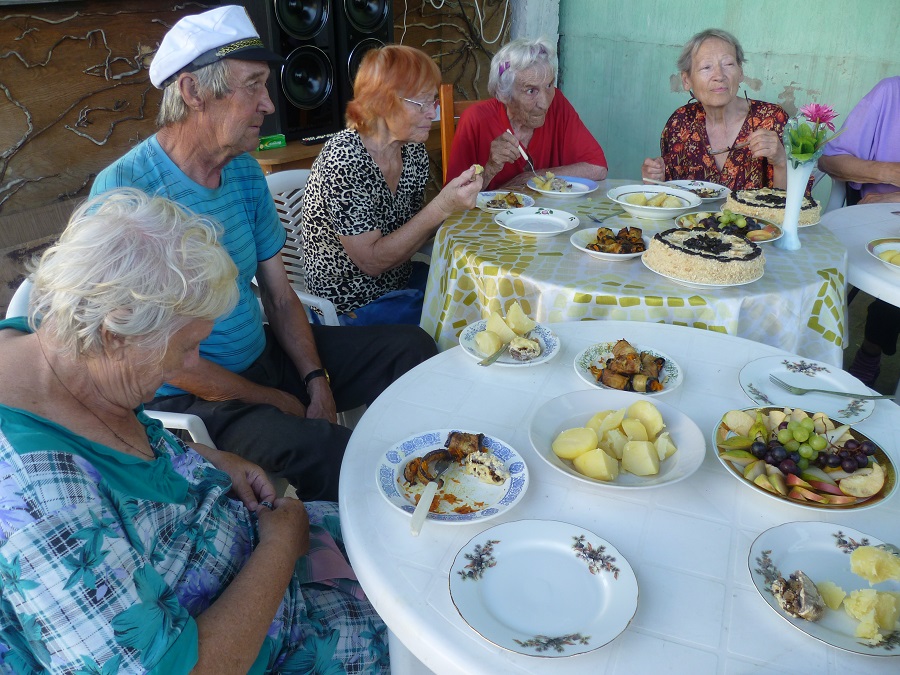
<point>801,457</point>
<point>832,594</point>
<point>891,256</point>
<point>457,447</point>
<point>702,191</point>
<point>551,183</point>
<point>631,436</point>
<point>510,200</point>
<point>876,611</point>
<point>798,596</point>
<point>478,169</point>
<point>486,468</point>
<point>768,204</point>
<point>874,564</point>
<point>626,240</point>
<point>705,257</point>
<point>658,200</point>
<point>523,349</point>
<point>730,223</point>
<point>509,331</point>
<point>630,370</point>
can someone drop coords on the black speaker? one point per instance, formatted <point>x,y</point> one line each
<point>323,42</point>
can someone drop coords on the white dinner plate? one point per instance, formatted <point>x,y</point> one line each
<point>577,407</point>
<point>799,372</point>
<point>472,500</point>
<point>543,588</point>
<point>877,246</point>
<point>696,285</point>
<point>537,221</point>
<point>484,197</point>
<point>822,551</point>
<point>545,337</point>
<point>597,354</point>
<point>721,433</point>
<point>690,185</point>
<point>688,201</point>
<point>580,186</point>
<point>581,238</point>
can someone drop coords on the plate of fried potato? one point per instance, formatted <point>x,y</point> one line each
<point>654,202</point>
<point>613,247</point>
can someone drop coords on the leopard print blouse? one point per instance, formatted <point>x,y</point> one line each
<point>346,195</point>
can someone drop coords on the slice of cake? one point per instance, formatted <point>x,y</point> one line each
<point>768,204</point>
<point>705,257</point>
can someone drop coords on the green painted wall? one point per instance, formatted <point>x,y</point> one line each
<point>617,60</point>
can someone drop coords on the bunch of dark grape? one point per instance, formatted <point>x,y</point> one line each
<point>797,445</point>
<point>730,223</point>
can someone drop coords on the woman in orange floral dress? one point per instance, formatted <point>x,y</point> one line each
<point>720,137</point>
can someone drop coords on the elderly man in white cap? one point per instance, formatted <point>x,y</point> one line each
<point>269,393</point>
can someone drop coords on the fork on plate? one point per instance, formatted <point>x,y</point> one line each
<point>800,391</point>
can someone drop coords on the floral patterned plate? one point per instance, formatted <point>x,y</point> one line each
<point>545,337</point>
<point>536,221</point>
<point>543,588</point>
<point>822,551</point>
<point>754,379</point>
<point>597,355</point>
<point>463,498</point>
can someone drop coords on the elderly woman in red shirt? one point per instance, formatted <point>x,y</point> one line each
<point>527,110</point>
<point>720,137</point>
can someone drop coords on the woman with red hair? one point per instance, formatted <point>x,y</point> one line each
<point>364,211</point>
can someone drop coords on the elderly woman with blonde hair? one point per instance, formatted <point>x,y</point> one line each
<point>364,211</point>
<point>123,549</point>
<point>527,111</point>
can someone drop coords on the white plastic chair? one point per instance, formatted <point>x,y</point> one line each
<point>287,188</point>
<point>838,195</point>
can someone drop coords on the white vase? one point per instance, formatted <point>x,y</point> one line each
<point>797,179</point>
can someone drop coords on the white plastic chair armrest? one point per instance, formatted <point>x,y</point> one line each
<point>329,313</point>
<point>838,195</point>
<point>190,423</point>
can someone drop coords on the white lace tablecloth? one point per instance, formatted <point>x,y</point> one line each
<point>698,611</point>
<point>477,267</point>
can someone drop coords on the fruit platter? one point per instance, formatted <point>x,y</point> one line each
<point>754,229</point>
<point>804,458</point>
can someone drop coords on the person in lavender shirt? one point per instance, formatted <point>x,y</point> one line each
<point>867,156</point>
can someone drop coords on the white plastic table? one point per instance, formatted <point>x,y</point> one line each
<point>688,543</point>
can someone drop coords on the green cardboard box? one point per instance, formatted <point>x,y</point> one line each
<point>272,142</point>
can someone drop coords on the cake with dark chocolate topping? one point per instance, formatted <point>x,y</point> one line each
<point>705,257</point>
<point>768,204</point>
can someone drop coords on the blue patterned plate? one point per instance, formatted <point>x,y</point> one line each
<point>799,372</point>
<point>822,551</point>
<point>543,588</point>
<point>547,339</point>
<point>463,498</point>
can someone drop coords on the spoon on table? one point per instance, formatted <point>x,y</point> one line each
<point>424,505</point>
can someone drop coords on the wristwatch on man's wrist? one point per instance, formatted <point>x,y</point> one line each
<point>313,374</point>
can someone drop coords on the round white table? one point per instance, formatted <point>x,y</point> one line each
<point>688,542</point>
<point>854,227</point>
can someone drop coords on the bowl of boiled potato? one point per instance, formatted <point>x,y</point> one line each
<point>654,202</point>
<point>617,439</point>
<point>887,250</point>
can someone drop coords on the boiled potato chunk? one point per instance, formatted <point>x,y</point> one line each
<point>611,421</point>
<point>634,429</point>
<point>487,342</point>
<point>640,458</point>
<point>496,324</point>
<point>616,440</point>
<point>874,609</point>
<point>874,564</point>
<point>597,464</point>
<point>517,320</point>
<point>671,202</point>
<point>574,442</point>
<point>649,416</point>
<point>665,448</point>
<point>657,199</point>
<point>831,593</point>
<point>594,422</point>
<point>638,199</point>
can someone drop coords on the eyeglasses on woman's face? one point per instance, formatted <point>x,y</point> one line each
<point>424,106</point>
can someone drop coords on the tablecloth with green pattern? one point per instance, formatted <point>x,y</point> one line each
<point>477,267</point>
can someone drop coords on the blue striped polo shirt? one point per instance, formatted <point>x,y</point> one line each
<point>243,205</point>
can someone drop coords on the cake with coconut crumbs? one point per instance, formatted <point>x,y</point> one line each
<point>768,204</point>
<point>705,257</point>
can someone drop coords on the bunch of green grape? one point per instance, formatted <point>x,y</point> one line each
<point>800,436</point>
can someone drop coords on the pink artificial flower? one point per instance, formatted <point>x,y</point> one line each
<point>818,113</point>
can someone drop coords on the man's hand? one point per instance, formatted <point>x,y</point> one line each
<point>321,401</point>
<point>880,197</point>
<point>285,402</point>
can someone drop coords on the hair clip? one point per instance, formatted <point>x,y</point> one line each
<point>504,67</point>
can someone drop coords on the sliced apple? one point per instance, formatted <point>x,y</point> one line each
<point>842,499</point>
<point>812,495</point>
<point>763,481</point>
<point>822,486</point>
<point>777,481</point>
<point>815,473</point>
<point>739,457</point>
<point>794,493</point>
<point>794,480</point>
<point>866,485</point>
<point>754,469</point>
